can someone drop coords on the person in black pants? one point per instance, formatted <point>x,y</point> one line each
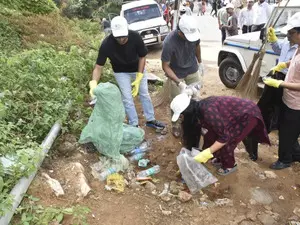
<point>289,119</point>
<point>214,8</point>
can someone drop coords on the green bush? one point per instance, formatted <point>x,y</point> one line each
<point>34,6</point>
<point>10,39</point>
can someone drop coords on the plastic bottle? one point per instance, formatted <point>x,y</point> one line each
<point>137,157</point>
<point>142,148</point>
<point>149,172</point>
<point>106,173</point>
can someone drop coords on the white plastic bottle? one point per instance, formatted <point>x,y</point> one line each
<point>106,173</point>
<point>142,148</point>
<point>149,172</point>
<point>137,157</point>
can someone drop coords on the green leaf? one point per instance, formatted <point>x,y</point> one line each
<point>59,217</point>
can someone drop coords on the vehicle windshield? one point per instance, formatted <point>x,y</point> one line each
<point>142,13</point>
<point>282,21</point>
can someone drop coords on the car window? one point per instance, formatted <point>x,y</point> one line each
<point>282,21</point>
<point>142,13</point>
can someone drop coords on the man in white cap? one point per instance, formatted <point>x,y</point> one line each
<point>222,20</point>
<point>261,13</point>
<point>289,119</point>
<point>127,54</point>
<point>246,17</point>
<point>181,58</point>
<point>232,24</point>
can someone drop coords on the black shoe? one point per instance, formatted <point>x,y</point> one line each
<point>296,158</point>
<point>279,165</point>
<point>155,124</point>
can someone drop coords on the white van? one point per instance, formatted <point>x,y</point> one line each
<point>237,51</point>
<point>146,17</point>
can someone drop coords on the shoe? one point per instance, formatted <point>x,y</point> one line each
<point>279,165</point>
<point>155,124</point>
<point>226,171</point>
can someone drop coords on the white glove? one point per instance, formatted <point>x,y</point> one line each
<point>201,69</point>
<point>182,86</point>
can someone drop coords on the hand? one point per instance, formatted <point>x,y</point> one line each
<point>271,35</point>
<point>93,84</point>
<point>280,66</point>
<point>204,156</point>
<point>182,86</point>
<point>201,69</point>
<point>136,84</point>
<point>272,82</point>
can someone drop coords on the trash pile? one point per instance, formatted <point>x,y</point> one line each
<point>122,145</point>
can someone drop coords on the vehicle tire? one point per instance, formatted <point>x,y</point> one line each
<point>230,72</point>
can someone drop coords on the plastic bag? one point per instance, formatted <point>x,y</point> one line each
<point>132,137</point>
<point>194,174</point>
<point>105,128</point>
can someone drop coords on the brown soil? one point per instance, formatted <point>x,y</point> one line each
<point>135,207</point>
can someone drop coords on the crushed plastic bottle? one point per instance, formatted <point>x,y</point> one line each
<point>142,148</point>
<point>106,173</point>
<point>136,157</point>
<point>149,172</point>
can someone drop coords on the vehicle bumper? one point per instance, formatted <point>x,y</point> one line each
<point>155,40</point>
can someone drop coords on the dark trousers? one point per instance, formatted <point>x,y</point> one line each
<point>257,27</point>
<point>289,131</point>
<point>223,31</point>
<point>246,29</point>
<point>215,10</point>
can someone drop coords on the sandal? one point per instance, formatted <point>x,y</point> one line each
<point>226,171</point>
<point>216,163</point>
<point>176,131</point>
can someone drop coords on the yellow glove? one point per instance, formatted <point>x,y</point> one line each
<point>280,66</point>
<point>204,156</point>
<point>272,82</point>
<point>93,84</point>
<point>271,35</point>
<point>136,84</point>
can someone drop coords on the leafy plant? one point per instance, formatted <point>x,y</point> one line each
<point>35,214</point>
<point>34,6</point>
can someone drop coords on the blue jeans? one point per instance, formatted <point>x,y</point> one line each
<point>124,81</point>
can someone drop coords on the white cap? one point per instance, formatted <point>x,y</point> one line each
<point>188,26</point>
<point>250,1</point>
<point>179,104</point>
<point>293,22</point>
<point>229,5</point>
<point>182,8</point>
<point>226,2</point>
<point>119,26</point>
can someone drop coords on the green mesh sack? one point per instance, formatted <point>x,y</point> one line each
<point>132,137</point>
<point>105,128</point>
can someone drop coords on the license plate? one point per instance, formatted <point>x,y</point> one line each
<point>150,40</point>
<point>148,35</point>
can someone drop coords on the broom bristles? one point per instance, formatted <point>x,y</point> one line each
<point>251,90</point>
<point>247,76</point>
<point>163,96</point>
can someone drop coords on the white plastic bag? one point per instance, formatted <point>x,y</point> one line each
<point>194,174</point>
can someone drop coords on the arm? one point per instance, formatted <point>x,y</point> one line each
<point>233,24</point>
<point>276,46</point>
<point>142,62</point>
<point>198,53</point>
<point>216,146</point>
<point>97,72</point>
<point>290,86</point>
<point>169,72</point>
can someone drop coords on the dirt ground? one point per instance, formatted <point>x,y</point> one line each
<point>250,196</point>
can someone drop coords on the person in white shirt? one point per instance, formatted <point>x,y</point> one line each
<point>246,17</point>
<point>261,14</point>
<point>238,5</point>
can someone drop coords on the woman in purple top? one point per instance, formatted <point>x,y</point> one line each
<point>224,122</point>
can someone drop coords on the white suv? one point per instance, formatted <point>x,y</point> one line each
<point>237,51</point>
<point>146,17</point>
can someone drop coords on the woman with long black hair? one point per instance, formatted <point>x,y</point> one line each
<point>224,122</point>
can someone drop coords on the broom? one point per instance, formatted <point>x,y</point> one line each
<point>247,86</point>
